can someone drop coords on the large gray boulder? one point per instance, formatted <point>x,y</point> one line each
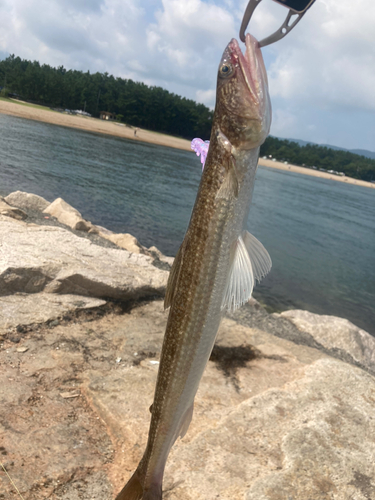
<point>7,210</point>
<point>27,201</point>
<point>51,259</point>
<point>310,438</point>
<point>336,333</point>
<point>23,309</point>
<point>273,420</point>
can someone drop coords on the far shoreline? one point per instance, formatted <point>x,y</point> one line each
<point>89,124</point>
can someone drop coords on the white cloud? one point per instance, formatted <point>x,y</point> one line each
<point>187,24</point>
<point>331,60</point>
<point>187,39</point>
<point>75,34</point>
<point>283,119</point>
<point>206,97</point>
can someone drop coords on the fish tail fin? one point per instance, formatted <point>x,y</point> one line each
<point>133,489</point>
<point>154,493</point>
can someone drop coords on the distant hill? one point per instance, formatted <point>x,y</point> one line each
<point>361,152</point>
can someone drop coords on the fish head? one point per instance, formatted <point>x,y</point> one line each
<point>243,106</point>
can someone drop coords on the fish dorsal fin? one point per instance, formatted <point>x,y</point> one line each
<point>260,260</point>
<point>249,260</point>
<point>173,277</point>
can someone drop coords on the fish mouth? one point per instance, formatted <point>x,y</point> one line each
<point>251,65</point>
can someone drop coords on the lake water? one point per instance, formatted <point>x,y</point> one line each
<point>320,233</point>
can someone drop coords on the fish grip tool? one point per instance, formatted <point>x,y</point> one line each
<point>296,8</point>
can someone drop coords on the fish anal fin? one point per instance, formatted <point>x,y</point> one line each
<point>173,277</point>
<point>260,260</point>
<point>186,420</point>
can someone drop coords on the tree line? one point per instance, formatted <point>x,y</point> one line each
<point>153,108</point>
<point>320,157</point>
<point>135,103</point>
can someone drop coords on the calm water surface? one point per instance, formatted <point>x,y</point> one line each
<point>320,233</point>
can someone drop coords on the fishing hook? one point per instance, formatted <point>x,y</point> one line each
<point>285,27</point>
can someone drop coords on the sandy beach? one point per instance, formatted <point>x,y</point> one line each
<point>43,114</point>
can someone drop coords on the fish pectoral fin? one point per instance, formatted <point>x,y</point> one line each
<point>224,142</point>
<point>249,261</point>
<point>173,277</point>
<point>240,281</point>
<point>230,186</point>
<point>260,259</point>
<point>186,421</point>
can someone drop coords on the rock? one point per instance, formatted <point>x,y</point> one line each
<point>124,240</point>
<point>336,333</point>
<point>270,420</point>
<point>58,444</point>
<point>273,420</point>
<point>54,260</point>
<point>55,322</point>
<point>156,253</point>
<point>101,229</point>
<point>28,309</point>
<point>311,438</point>
<point>276,417</point>
<point>22,349</point>
<point>24,200</point>
<point>68,215</point>
<point>9,211</point>
<point>68,395</point>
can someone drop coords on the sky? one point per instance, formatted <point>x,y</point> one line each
<point>321,75</point>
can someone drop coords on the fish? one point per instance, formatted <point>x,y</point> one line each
<point>216,267</point>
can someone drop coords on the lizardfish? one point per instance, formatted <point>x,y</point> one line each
<point>217,263</point>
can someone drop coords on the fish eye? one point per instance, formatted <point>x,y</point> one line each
<point>226,69</point>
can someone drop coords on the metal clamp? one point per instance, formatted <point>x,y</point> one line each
<point>296,8</point>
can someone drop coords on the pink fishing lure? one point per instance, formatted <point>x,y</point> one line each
<point>201,149</point>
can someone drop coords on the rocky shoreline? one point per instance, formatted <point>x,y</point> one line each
<point>285,409</point>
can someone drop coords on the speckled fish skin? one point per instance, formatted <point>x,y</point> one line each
<point>199,276</point>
